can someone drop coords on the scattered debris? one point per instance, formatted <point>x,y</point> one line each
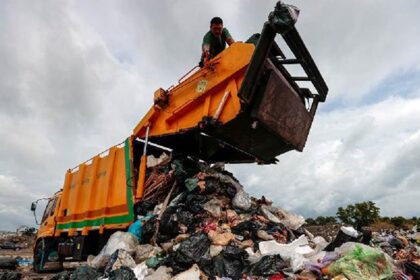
<point>8,263</point>
<point>205,230</point>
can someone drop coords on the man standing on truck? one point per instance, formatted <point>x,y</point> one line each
<point>214,42</point>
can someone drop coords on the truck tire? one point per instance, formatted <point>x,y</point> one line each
<point>42,250</point>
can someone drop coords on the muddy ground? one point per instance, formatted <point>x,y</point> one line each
<point>24,250</point>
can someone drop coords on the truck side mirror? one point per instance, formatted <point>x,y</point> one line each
<point>33,206</point>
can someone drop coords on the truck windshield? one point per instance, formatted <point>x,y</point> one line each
<point>48,209</point>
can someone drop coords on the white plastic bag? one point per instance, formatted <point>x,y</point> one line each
<point>141,271</point>
<point>162,273</point>
<point>241,200</point>
<point>279,215</point>
<point>213,206</point>
<point>118,240</point>
<point>121,258</point>
<point>191,274</point>
<point>294,252</point>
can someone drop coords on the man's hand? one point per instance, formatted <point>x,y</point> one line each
<point>206,55</point>
<point>230,40</point>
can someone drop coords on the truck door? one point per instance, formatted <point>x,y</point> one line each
<point>48,219</point>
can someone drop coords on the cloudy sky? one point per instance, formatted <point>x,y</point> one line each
<point>77,76</point>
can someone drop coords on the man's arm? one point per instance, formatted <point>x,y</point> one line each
<point>206,48</point>
<point>230,40</point>
<point>228,37</point>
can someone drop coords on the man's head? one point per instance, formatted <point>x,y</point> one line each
<point>216,26</point>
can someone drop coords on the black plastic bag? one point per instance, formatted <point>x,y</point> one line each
<point>413,269</point>
<point>193,248</point>
<point>63,275</point>
<point>274,227</point>
<point>396,243</point>
<point>190,251</point>
<point>230,263</point>
<point>218,268</point>
<point>230,191</point>
<point>185,217</point>
<point>143,207</point>
<point>85,273</point>
<point>8,263</point>
<point>168,222</point>
<point>247,229</point>
<point>268,265</point>
<point>339,240</point>
<point>194,202</point>
<point>235,261</point>
<point>171,220</point>
<point>212,185</point>
<point>233,252</point>
<point>123,273</point>
<point>233,268</point>
<point>10,275</point>
<point>149,229</point>
<point>206,264</point>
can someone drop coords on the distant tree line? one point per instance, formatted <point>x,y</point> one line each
<point>363,214</point>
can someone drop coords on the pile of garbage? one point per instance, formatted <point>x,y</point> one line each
<point>403,247</point>
<point>16,252</point>
<point>24,237</point>
<point>199,223</point>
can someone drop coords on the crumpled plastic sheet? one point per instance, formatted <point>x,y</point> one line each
<point>284,17</point>
<point>345,234</point>
<point>118,240</point>
<point>279,215</point>
<point>262,234</point>
<point>230,263</point>
<point>320,243</point>
<point>136,228</point>
<point>119,259</point>
<point>215,250</point>
<point>190,251</point>
<point>8,263</point>
<point>122,273</point>
<point>326,258</point>
<point>141,271</point>
<point>213,206</point>
<point>241,199</point>
<point>413,269</point>
<point>63,275</point>
<point>191,274</point>
<point>268,265</point>
<point>222,239</point>
<point>247,229</point>
<point>10,275</point>
<point>294,252</point>
<point>145,251</point>
<point>161,273</point>
<point>253,257</point>
<point>154,161</point>
<point>85,273</point>
<point>191,184</point>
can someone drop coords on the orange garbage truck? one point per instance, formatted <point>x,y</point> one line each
<point>245,105</point>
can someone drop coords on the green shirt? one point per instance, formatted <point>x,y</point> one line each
<point>216,43</point>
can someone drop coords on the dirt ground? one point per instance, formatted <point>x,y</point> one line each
<point>24,249</point>
<point>327,231</point>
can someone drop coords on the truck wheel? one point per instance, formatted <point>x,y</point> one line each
<point>41,252</point>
